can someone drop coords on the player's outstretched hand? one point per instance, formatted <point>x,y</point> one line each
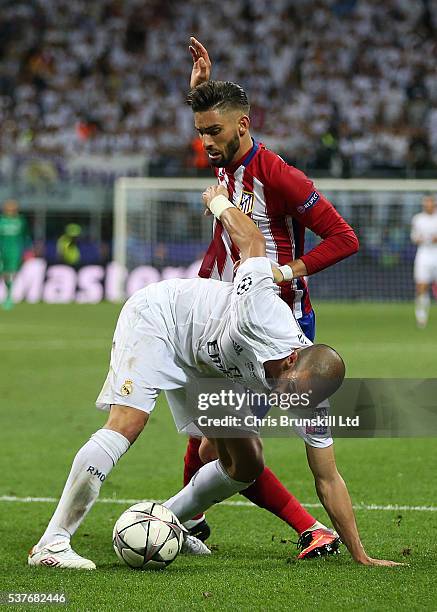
<point>210,193</point>
<point>201,63</point>
<point>383,562</point>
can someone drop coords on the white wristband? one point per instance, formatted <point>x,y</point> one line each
<point>287,272</point>
<point>218,205</point>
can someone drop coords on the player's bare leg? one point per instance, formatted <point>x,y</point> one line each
<point>240,461</point>
<point>422,304</point>
<point>267,492</point>
<point>90,468</point>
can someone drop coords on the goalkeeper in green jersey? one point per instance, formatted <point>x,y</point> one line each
<point>14,238</point>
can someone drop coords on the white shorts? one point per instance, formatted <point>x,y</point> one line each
<point>425,267</point>
<point>143,361</point>
<point>182,412</point>
<point>185,415</point>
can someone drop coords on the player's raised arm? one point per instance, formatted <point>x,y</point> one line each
<point>242,230</point>
<point>201,63</point>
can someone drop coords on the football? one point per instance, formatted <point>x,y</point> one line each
<point>147,536</point>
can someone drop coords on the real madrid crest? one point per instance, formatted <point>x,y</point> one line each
<point>126,387</point>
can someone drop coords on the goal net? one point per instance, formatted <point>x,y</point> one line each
<point>159,227</point>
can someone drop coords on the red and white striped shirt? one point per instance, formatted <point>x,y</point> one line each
<point>282,201</point>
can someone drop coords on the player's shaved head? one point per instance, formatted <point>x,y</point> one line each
<point>319,368</point>
<point>316,370</point>
<point>218,95</point>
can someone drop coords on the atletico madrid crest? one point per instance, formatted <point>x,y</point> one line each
<point>246,202</point>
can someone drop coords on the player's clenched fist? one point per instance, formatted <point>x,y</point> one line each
<point>210,193</point>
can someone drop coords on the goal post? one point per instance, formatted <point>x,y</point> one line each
<point>158,222</point>
<point>138,196</point>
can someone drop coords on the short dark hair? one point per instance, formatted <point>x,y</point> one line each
<point>218,95</point>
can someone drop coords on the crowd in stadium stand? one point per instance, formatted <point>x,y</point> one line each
<point>346,86</point>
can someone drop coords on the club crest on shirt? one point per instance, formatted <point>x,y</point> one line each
<point>126,387</point>
<point>246,202</point>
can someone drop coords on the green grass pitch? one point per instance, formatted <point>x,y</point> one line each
<point>53,361</point>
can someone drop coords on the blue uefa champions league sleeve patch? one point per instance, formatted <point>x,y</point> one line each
<point>311,200</point>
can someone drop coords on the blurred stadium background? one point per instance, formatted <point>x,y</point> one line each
<point>95,132</point>
<point>93,91</point>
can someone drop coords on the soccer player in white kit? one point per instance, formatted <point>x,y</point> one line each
<point>424,234</point>
<point>171,333</point>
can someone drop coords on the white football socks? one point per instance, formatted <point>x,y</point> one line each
<point>210,485</point>
<point>422,304</point>
<point>90,468</point>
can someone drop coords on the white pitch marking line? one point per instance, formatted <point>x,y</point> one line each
<point>53,344</point>
<point>388,507</point>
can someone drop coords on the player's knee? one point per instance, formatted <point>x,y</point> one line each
<point>257,463</point>
<point>247,472</point>
<point>127,421</point>
<point>250,465</point>
<point>207,451</point>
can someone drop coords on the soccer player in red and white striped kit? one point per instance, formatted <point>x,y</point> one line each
<point>283,202</point>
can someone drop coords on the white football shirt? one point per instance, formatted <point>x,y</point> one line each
<point>424,228</point>
<point>173,332</point>
<point>227,329</point>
